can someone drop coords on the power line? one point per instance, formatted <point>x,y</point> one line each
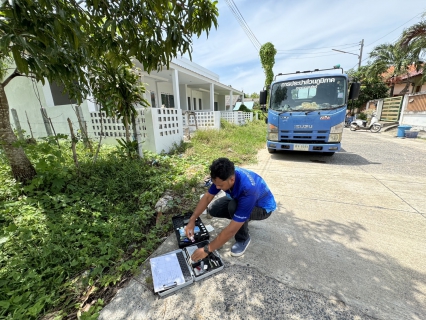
<point>394,41</point>
<point>311,53</point>
<point>244,26</point>
<point>395,29</point>
<point>237,14</point>
<point>245,23</point>
<point>349,45</point>
<point>325,55</point>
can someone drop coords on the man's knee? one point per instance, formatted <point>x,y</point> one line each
<point>232,207</point>
<point>219,208</point>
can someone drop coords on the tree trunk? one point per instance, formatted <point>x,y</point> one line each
<point>22,169</point>
<point>126,125</point>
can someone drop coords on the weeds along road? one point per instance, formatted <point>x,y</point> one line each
<point>351,227</point>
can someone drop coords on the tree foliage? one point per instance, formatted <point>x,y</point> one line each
<point>415,37</point>
<point>244,108</point>
<point>267,58</point>
<point>67,41</point>
<point>372,86</point>
<point>59,39</point>
<point>386,56</point>
<point>415,34</point>
<point>394,58</point>
<point>123,89</point>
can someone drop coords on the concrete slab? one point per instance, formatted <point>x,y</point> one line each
<point>240,291</point>
<point>348,241</point>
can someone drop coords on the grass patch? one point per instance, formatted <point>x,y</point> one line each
<point>71,237</point>
<point>238,143</point>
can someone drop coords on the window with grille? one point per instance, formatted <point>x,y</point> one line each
<point>167,100</point>
<point>153,104</point>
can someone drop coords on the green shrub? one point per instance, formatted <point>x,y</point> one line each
<point>361,116</point>
<point>73,231</point>
<point>69,230</point>
<point>244,108</point>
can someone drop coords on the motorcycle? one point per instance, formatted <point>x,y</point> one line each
<point>373,126</point>
<point>348,121</point>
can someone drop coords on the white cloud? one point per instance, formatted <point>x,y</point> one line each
<point>297,25</point>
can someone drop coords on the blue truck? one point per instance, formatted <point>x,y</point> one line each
<point>307,110</point>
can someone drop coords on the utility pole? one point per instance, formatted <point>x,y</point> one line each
<point>360,53</point>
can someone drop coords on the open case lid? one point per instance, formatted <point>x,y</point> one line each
<point>175,270</point>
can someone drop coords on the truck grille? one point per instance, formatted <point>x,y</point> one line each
<point>303,136</point>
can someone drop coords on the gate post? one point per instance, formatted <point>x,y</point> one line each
<point>404,105</point>
<point>379,108</point>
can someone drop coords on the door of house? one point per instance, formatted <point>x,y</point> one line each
<point>391,109</point>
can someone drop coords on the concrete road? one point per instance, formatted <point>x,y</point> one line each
<point>348,241</point>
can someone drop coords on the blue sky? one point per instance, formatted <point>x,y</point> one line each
<point>295,26</point>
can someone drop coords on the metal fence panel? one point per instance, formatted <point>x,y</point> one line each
<point>391,109</point>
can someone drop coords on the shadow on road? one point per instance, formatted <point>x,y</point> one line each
<point>378,281</point>
<point>381,287</point>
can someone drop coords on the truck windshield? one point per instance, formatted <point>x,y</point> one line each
<point>309,94</point>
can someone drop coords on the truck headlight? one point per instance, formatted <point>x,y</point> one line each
<point>272,133</point>
<point>338,128</point>
<point>334,137</point>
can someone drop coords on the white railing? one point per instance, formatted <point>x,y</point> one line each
<point>204,119</point>
<point>158,128</point>
<point>211,119</point>
<point>112,128</point>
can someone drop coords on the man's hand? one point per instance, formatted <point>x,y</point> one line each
<point>198,254</point>
<point>189,230</point>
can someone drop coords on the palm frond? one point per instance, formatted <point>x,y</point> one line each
<point>413,33</point>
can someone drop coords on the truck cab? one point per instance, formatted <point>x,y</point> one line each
<point>307,112</point>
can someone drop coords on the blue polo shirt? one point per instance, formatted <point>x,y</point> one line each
<point>249,190</point>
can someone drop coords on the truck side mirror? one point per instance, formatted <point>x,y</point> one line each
<point>262,97</point>
<point>354,90</point>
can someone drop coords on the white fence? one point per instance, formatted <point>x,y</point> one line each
<point>204,119</point>
<point>237,117</point>
<point>158,128</point>
<point>211,119</point>
<point>414,110</point>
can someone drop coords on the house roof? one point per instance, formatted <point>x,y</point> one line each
<point>190,74</point>
<point>235,99</point>
<point>248,104</point>
<point>412,72</point>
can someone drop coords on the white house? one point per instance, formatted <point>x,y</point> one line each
<point>187,86</point>
<point>42,110</point>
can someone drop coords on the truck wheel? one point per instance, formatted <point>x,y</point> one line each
<point>271,150</point>
<point>328,154</point>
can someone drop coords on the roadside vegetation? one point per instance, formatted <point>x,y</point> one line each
<point>72,236</point>
<point>390,61</point>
